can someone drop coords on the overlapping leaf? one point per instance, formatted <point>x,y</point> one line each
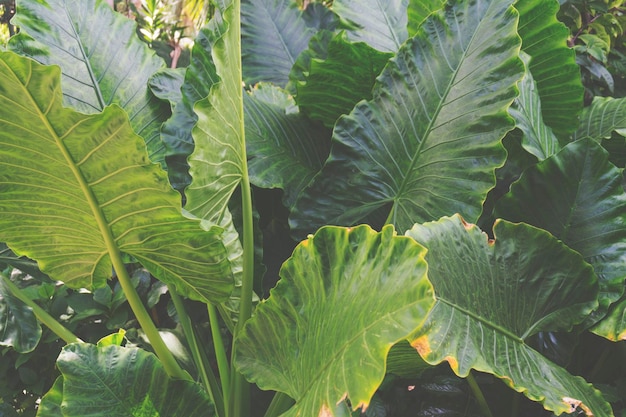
<point>383,26</point>
<point>493,295</point>
<point>335,83</point>
<point>604,116</point>
<point>78,189</point>
<point>553,65</point>
<point>274,32</point>
<point>19,328</point>
<point>101,58</point>
<point>428,142</point>
<point>577,196</point>
<point>285,148</point>
<point>118,381</point>
<point>300,341</point>
<point>538,138</point>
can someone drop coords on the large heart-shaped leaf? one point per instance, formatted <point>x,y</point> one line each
<point>335,83</point>
<point>538,138</point>
<point>321,335</point>
<point>383,26</point>
<point>101,58</point>
<point>79,189</point>
<point>492,295</point>
<point>285,148</point>
<point>118,381</point>
<point>274,32</point>
<point>577,196</point>
<point>18,325</point>
<point>604,116</point>
<point>428,142</point>
<point>553,65</point>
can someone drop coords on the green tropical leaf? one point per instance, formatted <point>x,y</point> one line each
<point>79,189</point>
<point>19,327</point>
<point>577,196</point>
<point>50,405</point>
<point>553,65</point>
<point>538,138</point>
<point>285,148</point>
<point>428,142</point>
<point>274,32</point>
<point>334,84</point>
<point>219,154</point>
<point>183,88</point>
<point>604,116</point>
<point>321,336</point>
<point>101,58</point>
<point>380,24</point>
<point>492,295</point>
<point>119,381</point>
<point>418,11</point>
<point>613,325</point>
<point>28,266</point>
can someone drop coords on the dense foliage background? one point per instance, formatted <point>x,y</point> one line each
<point>313,90</point>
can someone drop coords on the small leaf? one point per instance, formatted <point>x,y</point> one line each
<point>492,295</point>
<point>321,336</point>
<point>19,327</point>
<point>116,381</point>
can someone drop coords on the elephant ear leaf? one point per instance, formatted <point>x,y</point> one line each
<point>101,58</point>
<point>429,141</point>
<point>323,318</point>
<point>121,381</point>
<point>492,295</point>
<point>78,190</point>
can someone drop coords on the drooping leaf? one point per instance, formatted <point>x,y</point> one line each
<point>380,24</point>
<point>79,189</point>
<point>604,116</point>
<point>101,58</point>
<point>346,75</point>
<point>274,32</point>
<point>285,148</point>
<point>219,154</point>
<point>119,381</point>
<point>418,11</point>
<point>538,138</point>
<point>183,88</point>
<point>19,328</point>
<point>321,336</point>
<point>493,295</point>
<point>553,65</point>
<point>428,142</point>
<point>577,196</point>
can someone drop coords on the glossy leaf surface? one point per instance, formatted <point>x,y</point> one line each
<point>577,196</point>
<point>118,381</point>
<point>78,189</point>
<point>553,65</point>
<point>19,328</point>
<point>98,68</point>
<point>383,26</point>
<point>321,336</point>
<point>428,142</point>
<point>493,295</point>
<point>538,138</point>
<point>604,116</point>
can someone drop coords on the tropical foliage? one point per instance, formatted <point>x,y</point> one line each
<point>419,210</point>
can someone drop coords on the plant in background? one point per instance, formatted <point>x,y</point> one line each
<point>461,216</point>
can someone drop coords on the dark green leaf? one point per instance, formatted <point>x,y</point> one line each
<point>18,325</point>
<point>321,336</point>
<point>101,58</point>
<point>428,142</point>
<point>604,116</point>
<point>492,295</point>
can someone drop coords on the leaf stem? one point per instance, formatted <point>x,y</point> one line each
<point>145,321</point>
<point>478,394</point>
<point>220,353</point>
<point>280,403</point>
<point>41,314</point>
<point>206,375</point>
